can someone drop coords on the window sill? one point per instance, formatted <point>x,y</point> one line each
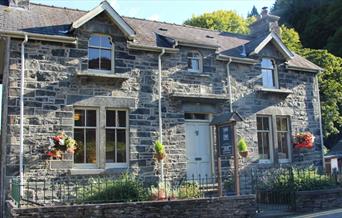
<point>273,90</point>
<point>76,171</point>
<point>193,73</point>
<point>104,74</point>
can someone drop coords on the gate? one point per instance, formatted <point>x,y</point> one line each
<point>274,189</point>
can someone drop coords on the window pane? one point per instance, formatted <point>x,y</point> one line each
<point>263,145</point>
<point>267,63</point>
<point>79,137</point>
<point>79,116</point>
<point>91,118</point>
<point>266,123</point>
<point>94,58</point>
<point>195,64</point>
<point>110,118</point>
<point>91,146</point>
<point>122,118</point>
<point>259,123</point>
<point>121,145</point>
<point>94,40</point>
<point>284,124</point>
<point>106,42</point>
<point>267,78</point>
<point>260,146</point>
<point>106,59</point>
<point>110,146</point>
<point>283,146</point>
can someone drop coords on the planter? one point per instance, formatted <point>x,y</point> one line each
<point>243,153</point>
<point>66,162</point>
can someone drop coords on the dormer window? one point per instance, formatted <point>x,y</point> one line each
<point>268,73</point>
<point>100,53</point>
<point>194,62</point>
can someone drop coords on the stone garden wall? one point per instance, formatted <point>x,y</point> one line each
<point>318,200</point>
<point>243,206</point>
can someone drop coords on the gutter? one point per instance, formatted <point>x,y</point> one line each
<point>229,86</point>
<point>131,45</point>
<point>37,36</point>
<point>22,81</point>
<point>160,108</point>
<point>221,57</point>
<point>302,69</point>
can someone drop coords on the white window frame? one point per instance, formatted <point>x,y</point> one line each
<point>271,159</point>
<point>112,70</point>
<point>89,165</point>
<point>116,164</point>
<point>200,62</point>
<point>275,82</point>
<point>288,132</point>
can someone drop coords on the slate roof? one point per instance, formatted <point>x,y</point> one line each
<point>52,20</point>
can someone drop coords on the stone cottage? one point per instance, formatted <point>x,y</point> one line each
<point>117,84</point>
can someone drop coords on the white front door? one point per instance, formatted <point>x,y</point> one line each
<point>198,153</point>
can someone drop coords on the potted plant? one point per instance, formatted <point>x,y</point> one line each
<point>242,147</point>
<point>160,151</point>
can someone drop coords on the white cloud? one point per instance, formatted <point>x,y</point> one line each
<point>154,17</point>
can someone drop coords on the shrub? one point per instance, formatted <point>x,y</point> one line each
<point>242,145</point>
<point>125,188</point>
<point>189,190</point>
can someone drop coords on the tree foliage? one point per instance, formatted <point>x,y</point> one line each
<point>318,22</point>
<point>330,80</point>
<point>254,12</point>
<point>222,20</point>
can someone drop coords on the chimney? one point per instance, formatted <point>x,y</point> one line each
<point>265,24</point>
<point>25,4</point>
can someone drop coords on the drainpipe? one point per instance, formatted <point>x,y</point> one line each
<point>229,86</point>
<point>320,123</point>
<point>160,109</point>
<point>22,81</point>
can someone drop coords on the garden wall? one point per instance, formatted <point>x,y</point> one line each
<point>233,206</point>
<point>309,201</point>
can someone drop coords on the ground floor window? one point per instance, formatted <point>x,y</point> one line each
<point>90,125</point>
<point>274,138</point>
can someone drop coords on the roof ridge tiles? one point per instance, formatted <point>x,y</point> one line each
<point>59,7</point>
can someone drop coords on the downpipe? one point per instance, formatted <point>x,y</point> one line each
<point>22,82</point>
<point>229,86</point>
<point>160,109</point>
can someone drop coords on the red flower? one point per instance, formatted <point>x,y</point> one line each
<point>304,140</point>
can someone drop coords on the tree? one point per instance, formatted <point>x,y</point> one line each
<point>254,12</point>
<point>318,23</point>
<point>222,20</point>
<point>291,39</point>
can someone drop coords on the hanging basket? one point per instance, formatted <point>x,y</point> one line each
<point>304,141</point>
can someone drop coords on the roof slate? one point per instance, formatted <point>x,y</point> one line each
<point>52,20</point>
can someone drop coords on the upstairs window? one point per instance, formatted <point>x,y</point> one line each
<point>100,53</point>
<point>268,73</point>
<point>194,62</point>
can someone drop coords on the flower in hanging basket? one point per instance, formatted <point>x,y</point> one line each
<point>160,151</point>
<point>60,144</point>
<point>304,140</point>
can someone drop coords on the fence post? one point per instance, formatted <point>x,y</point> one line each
<point>292,191</point>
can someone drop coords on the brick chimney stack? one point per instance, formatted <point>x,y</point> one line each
<point>19,3</point>
<point>265,24</point>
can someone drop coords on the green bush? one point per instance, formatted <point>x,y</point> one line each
<point>125,188</point>
<point>189,190</point>
<point>295,179</point>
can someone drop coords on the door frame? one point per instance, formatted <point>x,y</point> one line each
<point>211,140</point>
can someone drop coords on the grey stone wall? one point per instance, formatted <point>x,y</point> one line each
<point>242,206</point>
<point>318,200</point>
<point>53,88</point>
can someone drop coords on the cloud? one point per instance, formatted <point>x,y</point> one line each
<point>154,17</point>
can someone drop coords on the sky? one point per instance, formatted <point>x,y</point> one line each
<point>172,11</point>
